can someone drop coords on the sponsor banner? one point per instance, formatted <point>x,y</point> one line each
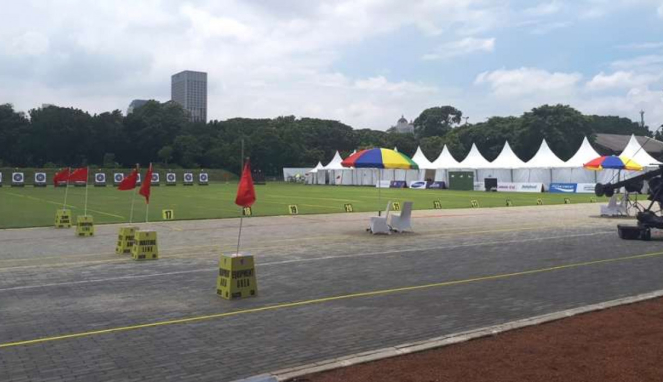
<point>479,186</point>
<point>529,187</point>
<point>437,186</point>
<point>507,187</point>
<point>397,184</point>
<point>383,184</point>
<point>418,185</point>
<point>585,188</point>
<point>563,188</point>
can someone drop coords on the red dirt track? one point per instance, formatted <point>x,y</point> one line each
<point>620,344</point>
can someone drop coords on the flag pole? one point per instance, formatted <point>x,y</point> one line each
<point>131,214</point>
<point>147,211</point>
<point>239,236</point>
<point>87,171</point>
<point>66,190</point>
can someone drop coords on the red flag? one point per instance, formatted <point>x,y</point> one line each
<point>246,194</point>
<point>61,176</point>
<point>79,175</point>
<point>145,187</point>
<point>129,183</point>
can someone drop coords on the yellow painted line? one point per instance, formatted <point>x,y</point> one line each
<point>323,300</point>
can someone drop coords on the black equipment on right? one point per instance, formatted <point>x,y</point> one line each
<point>647,219</point>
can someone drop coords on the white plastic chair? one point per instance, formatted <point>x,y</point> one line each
<point>403,220</point>
<point>614,208</point>
<point>379,223</point>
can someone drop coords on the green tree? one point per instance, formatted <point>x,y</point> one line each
<point>166,154</point>
<point>436,121</point>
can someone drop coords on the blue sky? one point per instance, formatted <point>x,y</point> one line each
<point>363,62</point>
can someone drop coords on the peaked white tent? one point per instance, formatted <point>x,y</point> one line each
<point>502,167</point>
<point>635,151</point>
<point>312,176</point>
<point>443,163</point>
<point>336,173</point>
<point>574,171</point>
<point>474,160</point>
<point>425,166</point>
<point>539,169</point>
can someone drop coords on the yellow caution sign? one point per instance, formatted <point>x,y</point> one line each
<point>348,207</point>
<point>592,200</point>
<point>84,225</point>
<point>293,209</point>
<point>437,205</point>
<point>567,201</point>
<point>247,211</point>
<point>167,214</point>
<point>396,206</point>
<point>509,203</point>
<point>145,246</point>
<point>474,203</point>
<point>237,277</point>
<point>539,202</point>
<point>125,240</point>
<point>63,218</point>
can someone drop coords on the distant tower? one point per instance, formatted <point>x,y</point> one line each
<point>642,118</point>
<point>189,89</point>
<point>135,104</point>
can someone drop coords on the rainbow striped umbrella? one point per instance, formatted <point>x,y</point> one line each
<point>379,158</point>
<point>613,162</point>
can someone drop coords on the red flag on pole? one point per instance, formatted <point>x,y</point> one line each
<point>145,187</point>
<point>246,194</point>
<point>79,175</point>
<point>61,176</point>
<point>129,183</point>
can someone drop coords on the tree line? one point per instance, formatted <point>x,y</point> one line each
<point>161,132</point>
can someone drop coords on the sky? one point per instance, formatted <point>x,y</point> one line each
<point>362,62</point>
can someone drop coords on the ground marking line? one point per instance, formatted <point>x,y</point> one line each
<point>24,287</point>
<point>323,300</point>
<point>59,204</point>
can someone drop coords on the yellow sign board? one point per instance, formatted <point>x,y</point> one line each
<point>509,203</point>
<point>567,201</point>
<point>348,207</point>
<point>125,240</point>
<point>247,211</point>
<point>474,203</point>
<point>293,209</point>
<point>237,277</point>
<point>145,246</point>
<point>437,205</point>
<point>396,206</point>
<point>84,225</point>
<point>63,218</point>
<point>167,214</point>
<point>539,202</point>
<point>592,200</point>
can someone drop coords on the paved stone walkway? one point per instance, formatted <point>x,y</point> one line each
<point>326,289</point>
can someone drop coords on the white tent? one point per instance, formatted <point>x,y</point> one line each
<point>312,176</point>
<point>539,169</point>
<point>574,171</point>
<point>338,174</point>
<point>424,164</point>
<point>444,162</point>
<point>502,167</point>
<point>474,160</point>
<point>635,151</point>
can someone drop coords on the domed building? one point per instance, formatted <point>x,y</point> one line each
<point>403,126</point>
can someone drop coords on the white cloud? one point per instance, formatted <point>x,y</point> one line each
<point>652,62</point>
<point>642,46</point>
<point>528,81</point>
<point>463,47</point>
<point>620,79</point>
<point>543,9</point>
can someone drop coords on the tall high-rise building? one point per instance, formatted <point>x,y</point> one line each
<point>135,104</point>
<point>189,89</point>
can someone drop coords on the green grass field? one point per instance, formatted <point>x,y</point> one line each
<point>31,207</point>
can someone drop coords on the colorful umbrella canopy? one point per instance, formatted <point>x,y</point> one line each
<point>379,158</point>
<point>613,162</point>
